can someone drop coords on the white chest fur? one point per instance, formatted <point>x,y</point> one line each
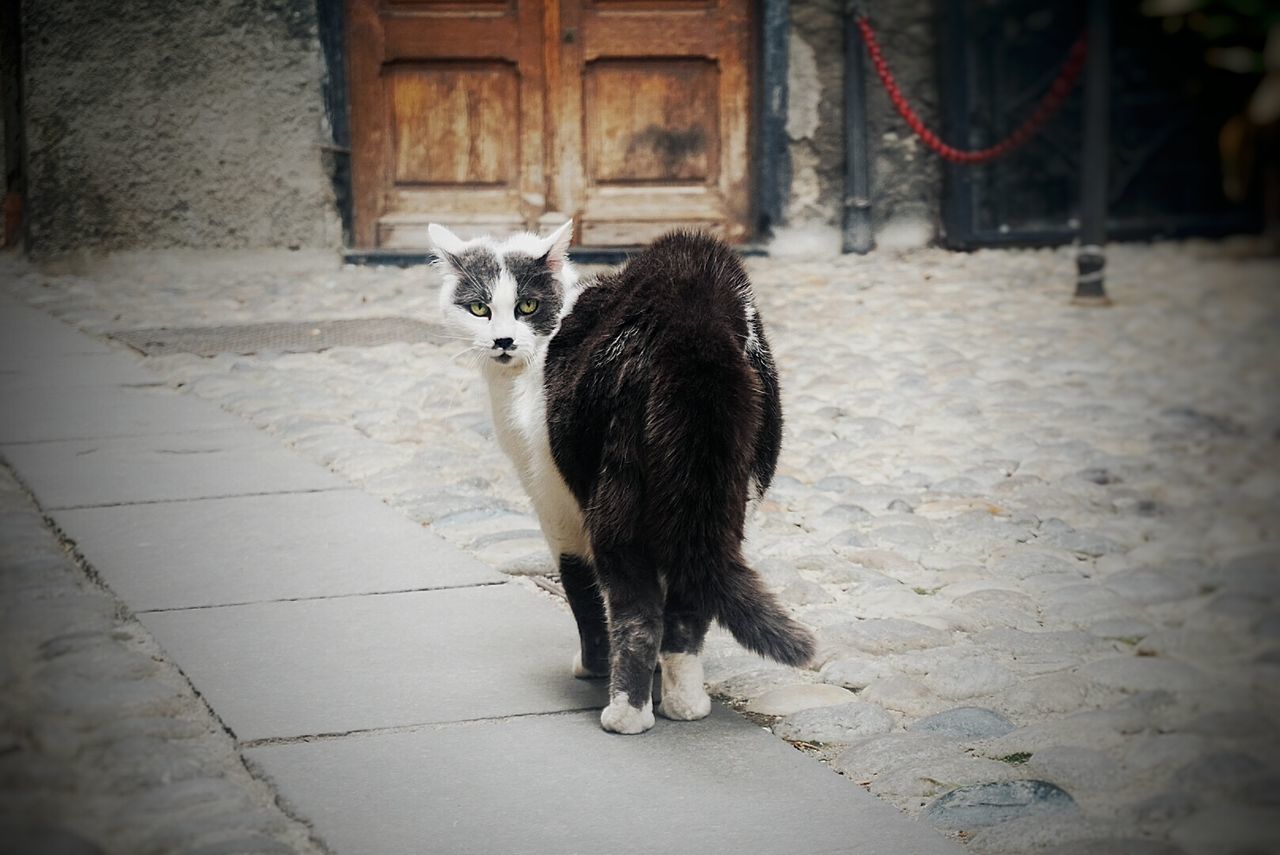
<point>519,420</point>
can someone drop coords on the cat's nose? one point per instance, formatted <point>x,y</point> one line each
<point>504,343</point>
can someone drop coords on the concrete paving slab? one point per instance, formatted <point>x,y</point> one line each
<point>559,784</point>
<point>40,415</point>
<point>306,667</point>
<point>72,372</point>
<point>29,332</point>
<point>254,548</point>
<point>163,468</point>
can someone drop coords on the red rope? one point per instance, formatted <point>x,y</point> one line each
<point>1048,105</point>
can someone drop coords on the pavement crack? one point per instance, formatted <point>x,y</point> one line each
<point>175,501</point>
<point>269,741</point>
<point>428,589</point>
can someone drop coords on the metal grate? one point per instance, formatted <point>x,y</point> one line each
<point>280,337</point>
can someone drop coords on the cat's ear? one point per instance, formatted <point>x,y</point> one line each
<point>446,244</point>
<point>557,247</point>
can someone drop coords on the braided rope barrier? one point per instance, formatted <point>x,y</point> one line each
<point>1049,104</point>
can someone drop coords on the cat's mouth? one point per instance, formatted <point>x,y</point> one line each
<point>503,358</point>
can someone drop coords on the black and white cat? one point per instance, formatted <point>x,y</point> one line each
<point>641,410</point>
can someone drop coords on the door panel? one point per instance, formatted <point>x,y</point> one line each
<point>496,115</point>
<point>647,120</point>
<point>446,116</point>
<point>449,124</point>
<point>665,103</point>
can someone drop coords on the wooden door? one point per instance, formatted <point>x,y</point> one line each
<point>654,100</point>
<point>631,116</point>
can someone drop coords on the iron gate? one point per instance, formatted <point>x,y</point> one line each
<point>1167,106</point>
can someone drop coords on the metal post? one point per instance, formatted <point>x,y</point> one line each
<point>774,162</point>
<point>857,168</point>
<point>1091,259</point>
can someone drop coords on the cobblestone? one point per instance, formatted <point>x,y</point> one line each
<point>1086,499</point>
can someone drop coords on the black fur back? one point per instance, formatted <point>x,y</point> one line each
<point>664,415</point>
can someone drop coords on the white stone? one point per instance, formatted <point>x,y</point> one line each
<point>786,700</point>
<point>904,695</point>
<point>854,672</point>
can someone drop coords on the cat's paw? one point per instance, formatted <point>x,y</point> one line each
<point>689,706</point>
<point>621,717</point>
<point>683,695</point>
<point>582,672</point>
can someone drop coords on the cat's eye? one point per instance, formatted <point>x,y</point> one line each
<point>527,307</point>
<point>480,310</point>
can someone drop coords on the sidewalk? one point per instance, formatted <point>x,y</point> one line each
<point>396,693</point>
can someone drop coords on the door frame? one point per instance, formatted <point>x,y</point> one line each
<point>771,172</point>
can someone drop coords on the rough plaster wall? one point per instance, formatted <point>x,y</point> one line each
<point>905,179</point>
<point>152,124</point>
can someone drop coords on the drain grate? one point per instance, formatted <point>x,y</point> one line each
<point>310,337</point>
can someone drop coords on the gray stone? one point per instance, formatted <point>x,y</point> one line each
<point>1026,563</point>
<point>721,766</point>
<point>964,723</point>
<point>1220,771</point>
<point>43,414</point>
<point>886,635</point>
<point>877,755</point>
<point>1038,832</point>
<point>903,695</point>
<point>1147,587</point>
<point>1144,673</point>
<point>1082,543</point>
<point>785,700</point>
<point>1113,846</point>
<point>27,333</point>
<point>1256,574</point>
<point>803,592</point>
<point>164,468</point>
<point>72,372</point>
<point>357,663</point>
<point>841,723</point>
<point>907,784</point>
<point>981,805</point>
<point>1228,828</point>
<point>253,548</point>
<point>969,678</point>
<point>1127,629</point>
<point>847,514</point>
<point>854,673</point>
<point>1084,771</point>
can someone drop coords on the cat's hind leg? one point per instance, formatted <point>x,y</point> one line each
<point>634,598</point>
<point>684,698</point>
<point>587,604</point>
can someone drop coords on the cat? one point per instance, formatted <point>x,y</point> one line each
<point>641,409</point>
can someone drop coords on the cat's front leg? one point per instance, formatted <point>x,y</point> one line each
<point>587,604</point>
<point>635,633</point>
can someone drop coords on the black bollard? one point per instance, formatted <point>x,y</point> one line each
<point>1091,258</point>
<point>857,168</point>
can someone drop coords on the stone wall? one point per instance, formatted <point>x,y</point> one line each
<point>150,124</point>
<point>905,178</point>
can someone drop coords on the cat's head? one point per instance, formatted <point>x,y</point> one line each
<point>505,297</point>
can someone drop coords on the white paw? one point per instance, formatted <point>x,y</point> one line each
<point>582,672</point>
<point>621,717</point>
<point>689,707</point>
<point>683,695</point>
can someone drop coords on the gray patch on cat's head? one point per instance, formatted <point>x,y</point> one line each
<point>535,281</point>
<point>477,269</point>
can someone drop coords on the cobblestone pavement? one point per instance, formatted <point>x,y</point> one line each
<point>1039,543</point>
<point>104,747</point>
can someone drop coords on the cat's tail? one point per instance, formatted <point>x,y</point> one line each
<point>756,619</point>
